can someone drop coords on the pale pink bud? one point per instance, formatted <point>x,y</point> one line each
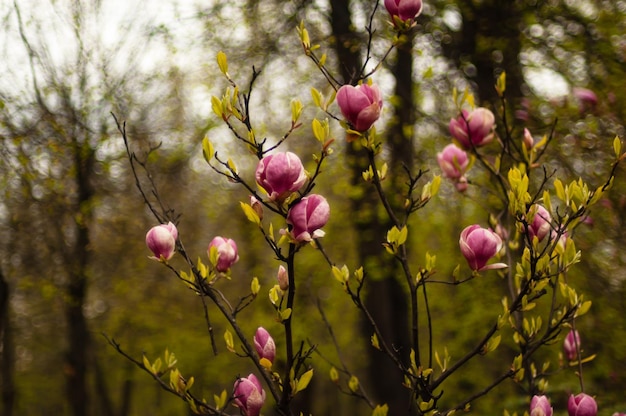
<point>280,174</point>
<point>256,206</point>
<point>528,141</point>
<point>461,184</point>
<point>478,246</point>
<point>453,161</point>
<point>540,406</point>
<point>540,225</point>
<point>360,105</point>
<point>161,240</point>
<point>473,129</point>
<point>283,278</point>
<point>249,395</point>
<point>571,345</point>
<point>404,9</point>
<point>226,253</point>
<point>308,216</point>
<point>582,405</point>
<point>264,344</point>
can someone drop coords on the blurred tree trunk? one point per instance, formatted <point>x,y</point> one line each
<point>489,42</point>
<point>7,347</point>
<point>385,297</point>
<point>77,357</point>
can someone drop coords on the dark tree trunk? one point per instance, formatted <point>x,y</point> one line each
<point>385,297</point>
<point>489,42</point>
<point>8,352</point>
<point>77,357</point>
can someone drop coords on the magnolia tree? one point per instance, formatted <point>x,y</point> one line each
<point>527,241</point>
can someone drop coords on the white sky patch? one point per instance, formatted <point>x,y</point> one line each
<point>546,83</point>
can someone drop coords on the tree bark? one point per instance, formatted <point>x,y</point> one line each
<point>77,356</point>
<point>8,350</point>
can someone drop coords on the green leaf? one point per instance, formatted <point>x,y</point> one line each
<point>617,147</point>
<point>353,384</point>
<point>334,375</point>
<point>285,314</point>
<point>222,62</point>
<point>255,287</point>
<point>207,149</point>
<point>304,381</point>
<point>380,410</point>
<point>317,97</point>
<point>230,343</point>
<point>251,214</point>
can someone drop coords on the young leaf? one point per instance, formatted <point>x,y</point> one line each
<point>304,381</point>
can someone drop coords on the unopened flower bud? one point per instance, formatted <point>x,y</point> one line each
<point>308,216</point>
<point>473,129</point>
<point>461,184</point>
<point>404,9</point>
<point>478,246</point>
<point>249,395</point>
<point>528,141</point>
<point>360,105</point>
<point>264,344</point>
<point>540,225</point>
<point>161,240</point>
<point>540,406</point>
<point>581,405</point>
<point>227,254</point>
<point>453,161</point>
<point>571,345</point>
<point>256,206</point>
<point>283,278</point>
<point>280,174</point>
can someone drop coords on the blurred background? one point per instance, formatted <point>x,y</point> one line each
<point>73,261</point>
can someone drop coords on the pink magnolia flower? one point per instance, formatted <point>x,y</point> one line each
<point>404,9</point>
<point>283,278</point>
<point>226,253</point>
<point>249,395</point>
<point>161,240</point>
<point>453,161</point>
<point>581,405</point>
<point>280,174</point>
<point>264,344</point>
<point>572,339</point>
<point>540,406</point>
<point>587,99</point>
<point>473,129</point>
<point>540,224</point>
<point>360,105</point>
<point>478,245</point>
<point>308,216</point>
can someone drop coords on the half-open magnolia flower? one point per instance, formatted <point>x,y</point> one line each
<point>478,246</point>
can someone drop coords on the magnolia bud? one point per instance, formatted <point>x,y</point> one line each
<point>473,129</point>
<point>249,395</point>
<point>161,240</point>
<point>256,206</point>
<point>540,225</point>
<point>540,406</point>
<point>360,105</point>
<point>581,405</point>
<point>478,246</point>
<point>404,9</point>
<point>308,216</point>
<point>283,278</point>
<point>453,161</point>
<point>280,175</point>
<point>571,345</point>
<point>226,253</point>
<point>264,344</point>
